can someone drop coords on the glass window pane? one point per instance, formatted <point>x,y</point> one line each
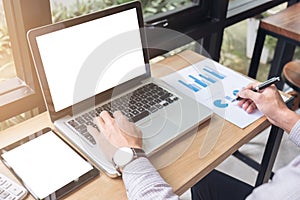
<point>153,7</point>
<point>239,6</point>
<point>7,68</point>
<point>237,3</point>
<point>64,9</point>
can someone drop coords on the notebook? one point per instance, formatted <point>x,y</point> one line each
<point>100,62</point>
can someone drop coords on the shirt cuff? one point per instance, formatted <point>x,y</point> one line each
<point>139,165</point>
<point>295,134</point>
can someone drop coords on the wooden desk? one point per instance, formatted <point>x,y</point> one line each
<point>187,168</point>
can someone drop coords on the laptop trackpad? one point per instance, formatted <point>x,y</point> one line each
<point>156,132</point>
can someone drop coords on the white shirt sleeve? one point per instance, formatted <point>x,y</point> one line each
<point>143,182</point>
<point>286,181</point>
<point>284,185</point>
<point>295,134</point>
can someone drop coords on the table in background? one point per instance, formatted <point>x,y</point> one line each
<point>285,26</point>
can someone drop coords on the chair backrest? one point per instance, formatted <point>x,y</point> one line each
<point>291,74</point>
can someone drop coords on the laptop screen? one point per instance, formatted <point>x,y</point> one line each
<point>108,48</point>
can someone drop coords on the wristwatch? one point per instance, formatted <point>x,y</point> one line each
<point>125,155</point>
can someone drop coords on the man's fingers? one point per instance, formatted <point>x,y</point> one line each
<point>120,119</point>
<point>118,115</point>
<point>127,127</point>
<point>251,108</point>
<point>248,94</point>
<point>252,85</point>
<point>241,102</point>
<point>95,133</point>
<point>100,123</point>
<point>106,118</point>
<point>250,98</point>
<point>102,143</point>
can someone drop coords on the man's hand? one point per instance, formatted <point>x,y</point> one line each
<point>115,133</point>
<point>270,103</point>
<point>265,100</point>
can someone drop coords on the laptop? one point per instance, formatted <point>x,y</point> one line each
<point>98,62</point>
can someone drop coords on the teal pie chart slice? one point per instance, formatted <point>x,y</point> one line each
<point>218,103</point>
<point>235,92</point>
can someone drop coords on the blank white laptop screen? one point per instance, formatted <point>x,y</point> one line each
<point>64,52</point>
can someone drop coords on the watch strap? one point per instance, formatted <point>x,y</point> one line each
<point>138,153</point>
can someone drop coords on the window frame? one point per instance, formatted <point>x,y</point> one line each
<point>18,13</point>
<point>251,9</point>
<point>193,23</point>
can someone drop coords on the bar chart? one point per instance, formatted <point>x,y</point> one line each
<point>202,80</point>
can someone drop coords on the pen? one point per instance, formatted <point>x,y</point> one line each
<point>261,86</point>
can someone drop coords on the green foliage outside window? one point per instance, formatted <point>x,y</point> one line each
<point>6,60</point>
<point>150,7</point>
<point>4,41</point>
<point>80,7</point>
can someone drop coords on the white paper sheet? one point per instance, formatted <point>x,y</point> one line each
<point>46,164</point>
<point>215,86</point>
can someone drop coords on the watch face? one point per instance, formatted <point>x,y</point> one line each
<point>123,156</point>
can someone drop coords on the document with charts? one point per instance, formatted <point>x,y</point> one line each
<point>215,86</point>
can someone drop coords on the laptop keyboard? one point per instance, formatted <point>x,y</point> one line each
<point>135,106</point>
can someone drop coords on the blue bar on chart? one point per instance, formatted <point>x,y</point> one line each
<point>196,86</point>
<point>198,81</point>
<point>207,78</point>
<point>228,98</point>
<point>212,72</point>
<point>190,86</point>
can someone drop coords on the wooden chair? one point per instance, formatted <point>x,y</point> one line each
<point>291,76</point>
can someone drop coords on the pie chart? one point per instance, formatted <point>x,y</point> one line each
<point>218,103</point>
<point>235,92</point>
